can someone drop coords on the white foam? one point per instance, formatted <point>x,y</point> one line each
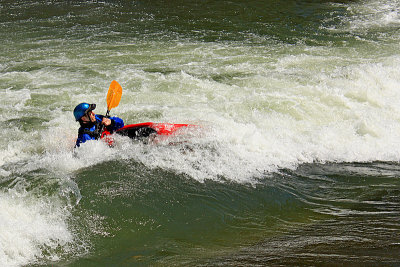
<point>29,227</point>
<point>12,101</point>
<point>371,15</point>
<point>275,118</point>
<point>350,114</point>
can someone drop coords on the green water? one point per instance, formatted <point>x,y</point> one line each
<point>295,162</point>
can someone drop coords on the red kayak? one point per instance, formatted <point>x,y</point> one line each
<point>145,129</point>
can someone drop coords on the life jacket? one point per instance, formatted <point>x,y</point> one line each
<point>93,134</point>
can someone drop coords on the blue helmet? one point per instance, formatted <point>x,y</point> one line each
<point>81,110</point>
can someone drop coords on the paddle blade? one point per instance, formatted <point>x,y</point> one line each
<point>114,95</point>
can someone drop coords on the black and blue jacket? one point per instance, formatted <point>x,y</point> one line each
<point>92,132</point>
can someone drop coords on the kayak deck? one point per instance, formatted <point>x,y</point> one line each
<point>146,129</point>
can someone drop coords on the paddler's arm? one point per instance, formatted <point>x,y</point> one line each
<point>113,123</point>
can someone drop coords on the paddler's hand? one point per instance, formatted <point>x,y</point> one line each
<point>106,122</point>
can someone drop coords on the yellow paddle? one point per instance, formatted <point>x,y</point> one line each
<point>113,96</point>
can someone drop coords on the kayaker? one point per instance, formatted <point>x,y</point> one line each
<point>91,124</point>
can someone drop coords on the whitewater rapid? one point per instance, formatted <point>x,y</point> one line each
<point>262,106</point>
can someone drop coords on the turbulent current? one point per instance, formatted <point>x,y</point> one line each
<point>296,160</point>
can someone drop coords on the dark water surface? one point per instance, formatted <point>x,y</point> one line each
<point>316,215</point>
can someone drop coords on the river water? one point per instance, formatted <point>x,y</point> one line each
<point>295,162</point>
